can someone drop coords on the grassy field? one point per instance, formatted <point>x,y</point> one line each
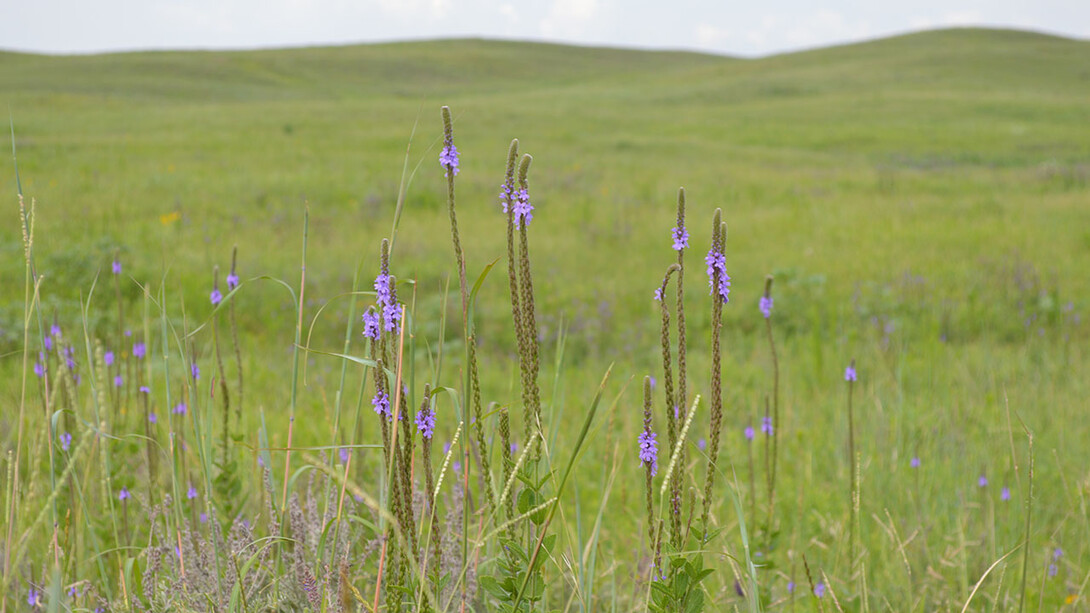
<point>922,202</point>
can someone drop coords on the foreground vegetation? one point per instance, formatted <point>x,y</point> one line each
<point>918,216</point>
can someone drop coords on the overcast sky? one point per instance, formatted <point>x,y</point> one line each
<point>734,28</point>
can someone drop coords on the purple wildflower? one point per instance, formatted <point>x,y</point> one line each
<point>153,418</point>
<point>819,589</point>
<point>123,494</point>
<point>108,357</point>
<point>216,297</point>
<point>118,380</point>
<point>749,433</point>
<point>425,422</point>
<point>1005,494</point>
<point>766,306</point>
<point>914,462</point>
<point>232,281</point>
<point>370,324</point>
<point>448,158</point>
<point>717,263</point>
<point>382,289</point>
<point>1052,570</point>
<point>658,294</point>
<point>381,402</point>
<point>145,389</point>
<point>117,267</point>
<point>649,450</point>
<point>344,454</point>
<point>47,342</point>
<point>790,587</point>
<point>681,238</point>
<point>514,447</point>
<point>39,369</point>
<point>192,493</point>
<point>139,350</point>
<point>766,425</point>
<point>849,373</point>
<point>180,409</point>
<point>55,330</point>
<point>702,444</point>
<point>982,481</point>
<point>33,597</point>
<point>391,316</point>
<point>1057,553</point>
<point>66,441</point>
<point>524,211</point>
<point>195,371</point>
<point>204,518</point>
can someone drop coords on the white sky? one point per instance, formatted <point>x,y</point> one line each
<point>749,29</point>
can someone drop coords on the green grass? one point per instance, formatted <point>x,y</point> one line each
<point>933,185</point>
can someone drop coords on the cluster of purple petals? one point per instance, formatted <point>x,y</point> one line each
<point>717,263</point>
<point>766,425</point>
<point>505,195</point>
<point>139,350</point>
<point>391,316</point>
<point>387,304</point>
<point>448,158</point>
<point>425,422</point>
<point>849,373</point>
<point>216,296</point>
<point>681,238</point>
<point>381,403</point>
<point>370,324</point>
<point>524,211</point>
<point>232,281</point>
<point>766,306</point>
<point>658,294</point>
<point>649,450</point>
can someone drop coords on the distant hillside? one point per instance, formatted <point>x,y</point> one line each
<point>975,58</point>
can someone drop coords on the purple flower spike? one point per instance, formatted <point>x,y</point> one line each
<point>982,481</point>
<point>117,267</point>
<point>123,494</point>
<point>766,426</point>
<point>1057,553</point>
<point>153,418</point>
<point>1053,570</point>
<point>55,330</point>
<point>47,342</point>
<point>702,444</point>
<point>914,462</point>
<point>33,597</point>
<point>391,316</point>
<point>216,297</point>
<point>108,357</point>
<point>681,238</point>
<point>145,389</point>
<point>195,371</point>
<point>749,433</point>
<point>1005,494</point>
<point>819,589</point>
<point>232,281</point>
<point>118,381</point>
<point>649,450</point>
<point>139,350</point>
<point>344,453</point>
<point>790,587</point>
<point>448,158</point>
<point>425,423</point>
<point>524,211</point>
<point>849,373</point>
<point>180,409</point>
<point>658,294</point>
<point>66,441</point>
<point>766,306</point>
<point>39,369</point>
<point>381,403</point>
<point>717,263</point>
<point>370,324</point>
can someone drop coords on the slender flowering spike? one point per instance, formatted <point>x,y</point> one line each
<point>766,306</point>
<point>982,481</point>
<point>425,421</point>
<point>39,369</point>
<point>649,450</point>
<point>180,409</point>
<point>915,462</point>
<point>658,294</point>
<point>123,494</point>
<point>47,342</point>
<point>748,432</point>
<point>681,238</point>
<point>790,587</point>
<point>195,371</point>
<point>216,297</point>
<point>66,441</point>
<point>145,389</point>
<point>524,211</point>
<point>702,444</point>
<point>55,330</point>
<point>717,262</point>
<point>232,277</point>
<point>371,324</point>
<point>382,289</point>
<point>1005,494</point>
<point>117,267</point>
<point>139,350</point>
<point>192,493</point>
<point>819,589</point>
<point>849,372</point>
<point>448,157</point>
<point>1057,553</point>
<point>766,425</point>
<point>34,597</point>
<point>153,418</point>
<point>381,403</point>
<point>108,357</point>
<point>344,454</point>
<point>118,381</point>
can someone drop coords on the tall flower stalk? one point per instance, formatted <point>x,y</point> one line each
<point>719,283</point>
